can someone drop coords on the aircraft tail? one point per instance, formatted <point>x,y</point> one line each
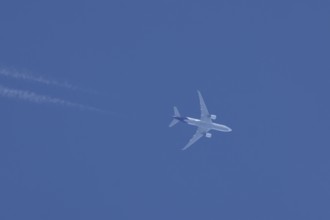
<point>176,114</point>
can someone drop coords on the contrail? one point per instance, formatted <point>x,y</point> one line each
<point>36,98</point>
<point>41,80</point>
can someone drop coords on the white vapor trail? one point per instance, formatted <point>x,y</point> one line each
<point>36,98</point>
<point>38,79</point>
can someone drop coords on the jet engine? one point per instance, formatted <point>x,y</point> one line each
<point>213,117</point>
<point>208,135</point>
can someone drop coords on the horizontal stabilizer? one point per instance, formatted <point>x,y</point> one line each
<point>173,122</point>
<point>176,114</point>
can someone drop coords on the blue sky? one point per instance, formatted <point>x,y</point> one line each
<point>262,66</point>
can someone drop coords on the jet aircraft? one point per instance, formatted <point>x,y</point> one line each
<point>204,124</point>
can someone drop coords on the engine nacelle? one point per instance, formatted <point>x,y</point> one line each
<point>208,135</point>
<point>213,117</point>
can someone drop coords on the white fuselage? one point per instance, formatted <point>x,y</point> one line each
<point>207,125</point>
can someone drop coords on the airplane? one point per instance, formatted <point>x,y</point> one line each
<point>204,124</point>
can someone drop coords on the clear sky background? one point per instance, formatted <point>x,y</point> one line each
<point>262,66</point>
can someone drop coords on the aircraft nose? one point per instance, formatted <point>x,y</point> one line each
<point>228,129</point>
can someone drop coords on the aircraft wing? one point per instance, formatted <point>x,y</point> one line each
<point>205,115</point>
<point>199,133</point>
